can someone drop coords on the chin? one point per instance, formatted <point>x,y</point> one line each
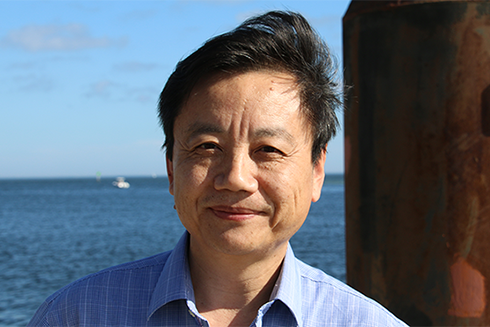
<point>240,245</point>
<point>236,246</point>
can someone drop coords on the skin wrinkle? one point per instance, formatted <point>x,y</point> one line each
<point>243,180</point>
<point>267,166</point>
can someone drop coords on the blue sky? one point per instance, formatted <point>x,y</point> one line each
<point>79,80</point>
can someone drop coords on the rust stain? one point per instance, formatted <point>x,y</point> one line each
<point>417,159</point>
<point>468,291</point>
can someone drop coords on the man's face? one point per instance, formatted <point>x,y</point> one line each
<point>241,174</point>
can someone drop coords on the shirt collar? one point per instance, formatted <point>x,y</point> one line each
<point>175,279</point>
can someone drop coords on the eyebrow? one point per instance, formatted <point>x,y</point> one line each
<point>199,128</point>
<point>274,132</point>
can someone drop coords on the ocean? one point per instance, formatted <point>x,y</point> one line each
<point>54,231</point>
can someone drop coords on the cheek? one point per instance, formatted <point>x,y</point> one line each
<point>190,185</point>
<point>294,181</point>
<point>291,193</point>
<point>190,173</point>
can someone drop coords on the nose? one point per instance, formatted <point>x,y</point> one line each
<point>236,174</point>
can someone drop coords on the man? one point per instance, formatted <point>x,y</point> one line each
<point>247,118</point>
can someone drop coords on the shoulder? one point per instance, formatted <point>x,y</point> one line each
<point>130,274</point>
<point>104,290</point>
<point>328,301</point>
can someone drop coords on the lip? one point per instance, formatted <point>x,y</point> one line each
<point>235,214</point>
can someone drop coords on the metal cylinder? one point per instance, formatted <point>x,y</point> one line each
<point>417,147</point>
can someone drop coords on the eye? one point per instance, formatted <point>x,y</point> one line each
<point>270,149</point>
<point>207,146</point>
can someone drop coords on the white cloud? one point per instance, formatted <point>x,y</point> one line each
<point>102,88</point>
<point>57,37</point>
<point>121,92</point>
<point>143,94</point>
<point>22,65</point>
<point>34,83</point>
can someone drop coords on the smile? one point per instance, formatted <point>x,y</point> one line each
<point>235,214</point>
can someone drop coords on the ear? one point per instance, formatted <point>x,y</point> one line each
<point>319,175</point>
<point>170,175</point>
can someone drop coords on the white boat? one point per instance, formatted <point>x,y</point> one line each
<point>120,183</point>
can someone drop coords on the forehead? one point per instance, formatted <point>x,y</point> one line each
<point>264,88</point>
<point>261,81</point>
<point>259,104</point>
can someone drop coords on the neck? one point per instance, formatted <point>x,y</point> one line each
<point>229,289</point>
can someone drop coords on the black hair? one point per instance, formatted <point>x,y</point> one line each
<point>277,40</point>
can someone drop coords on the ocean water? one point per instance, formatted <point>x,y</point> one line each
<point>54,231</point>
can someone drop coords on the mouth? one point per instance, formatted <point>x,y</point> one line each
<point>235,213</point>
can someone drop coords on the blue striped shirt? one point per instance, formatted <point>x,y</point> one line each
<point>157,291</point>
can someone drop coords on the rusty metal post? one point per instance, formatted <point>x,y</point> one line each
<point>417,144</point>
